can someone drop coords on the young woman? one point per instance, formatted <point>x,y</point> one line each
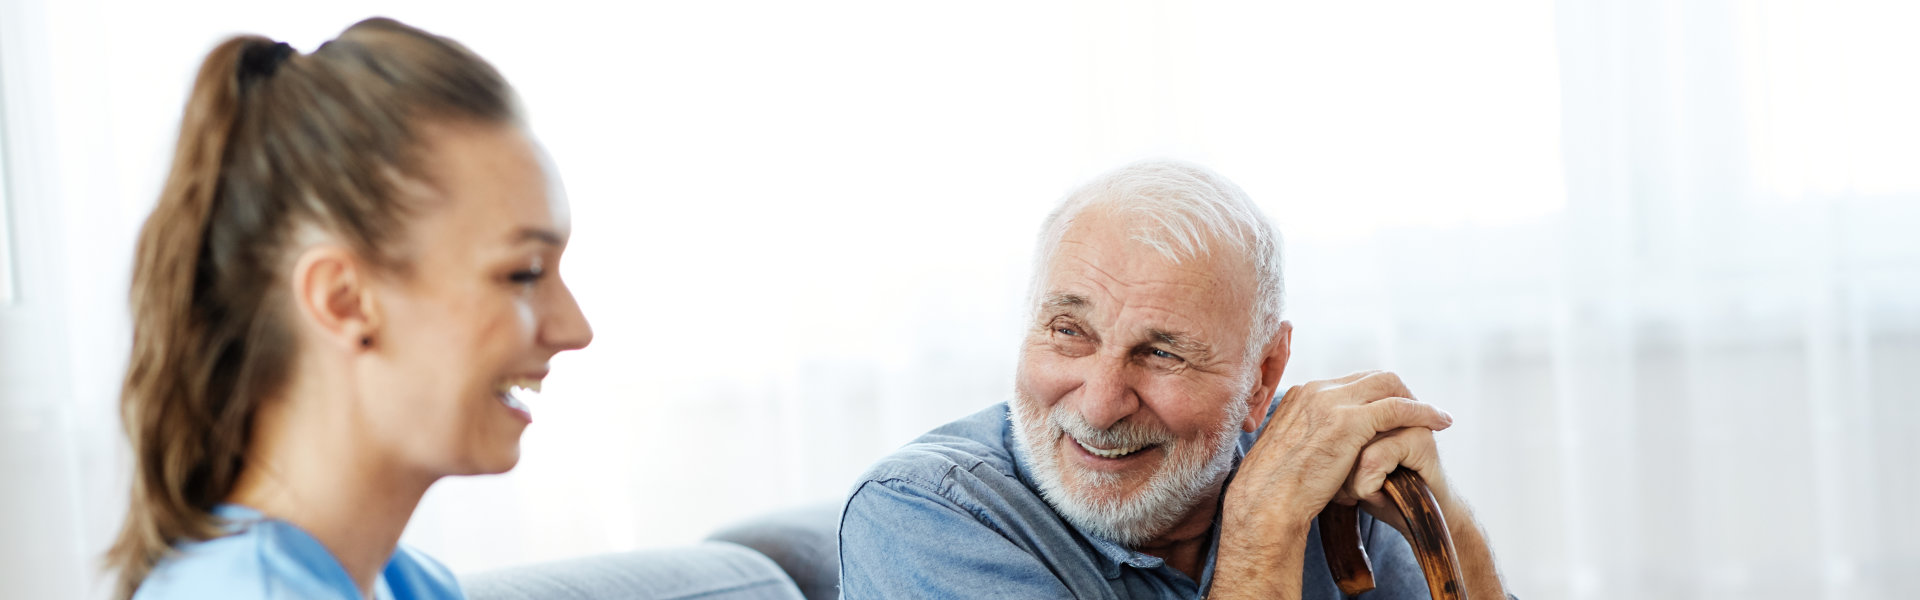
<point>349,274</point>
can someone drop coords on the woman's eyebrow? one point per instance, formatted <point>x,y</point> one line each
<point>536,234</point>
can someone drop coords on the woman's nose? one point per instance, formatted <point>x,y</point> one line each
<point>566,327</point>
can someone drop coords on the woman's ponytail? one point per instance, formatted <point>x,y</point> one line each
<point>180,446</point>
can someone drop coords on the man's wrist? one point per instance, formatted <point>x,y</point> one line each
<point>1453,510</point>
<point>1272,517</point>
<point>1263,539</point>
<point>1260,560</point>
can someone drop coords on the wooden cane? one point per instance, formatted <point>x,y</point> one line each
<point>1426,532</point>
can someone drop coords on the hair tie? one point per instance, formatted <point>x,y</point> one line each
<point>259,62</point>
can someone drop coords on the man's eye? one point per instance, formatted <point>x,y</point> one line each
<point>1066,331</point>
<point>1158,353</point>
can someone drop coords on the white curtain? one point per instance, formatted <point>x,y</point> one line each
<point>1655,256</point>
<point>1714,388</point>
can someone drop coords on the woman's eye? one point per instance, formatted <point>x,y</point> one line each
<point>526,277</point>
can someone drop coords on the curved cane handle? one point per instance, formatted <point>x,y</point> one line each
<point>1426,532</point>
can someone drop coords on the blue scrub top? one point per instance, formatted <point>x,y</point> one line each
<point>266,558</point>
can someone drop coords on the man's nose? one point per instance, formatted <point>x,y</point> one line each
<point>1107,394</point>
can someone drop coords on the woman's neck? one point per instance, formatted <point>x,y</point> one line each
<point>306,466</point>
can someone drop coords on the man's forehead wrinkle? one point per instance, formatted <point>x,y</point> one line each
<point>1093,277</point>
<point>1141,258</point>
<point>1095,289</point>
<point>1208,279</point>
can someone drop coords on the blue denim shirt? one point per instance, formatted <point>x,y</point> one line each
<point>955,515</point>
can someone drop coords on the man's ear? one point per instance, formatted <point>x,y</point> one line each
<point>333,292</point>
<point>1272,365</point>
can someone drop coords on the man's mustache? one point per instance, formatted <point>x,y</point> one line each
<point>1124,434</point>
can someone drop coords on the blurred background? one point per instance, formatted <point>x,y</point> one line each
<point>1658,258</point>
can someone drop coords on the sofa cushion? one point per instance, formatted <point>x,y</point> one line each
<point>803,541</point>
<point>708,571</point>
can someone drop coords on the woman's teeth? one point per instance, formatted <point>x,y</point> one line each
<point>531,385</point>
<point>1114,453</point>
<point>511,390</point>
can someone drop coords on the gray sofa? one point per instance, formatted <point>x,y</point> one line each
<point>788,555</point>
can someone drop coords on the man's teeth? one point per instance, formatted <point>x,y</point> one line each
<point>1114,453</point>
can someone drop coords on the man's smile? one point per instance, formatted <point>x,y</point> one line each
<point>1112,460</point>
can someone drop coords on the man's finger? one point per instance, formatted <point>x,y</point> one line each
<point>1341,497</point>
<point>1320,386</point>
<point>1377,385</point>
<point>1352,377</point>
<point>1394,413</point>
<point>1411,447</point>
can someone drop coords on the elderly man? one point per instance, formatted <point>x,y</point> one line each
<point>1132,461</point>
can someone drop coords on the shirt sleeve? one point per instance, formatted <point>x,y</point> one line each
<point>899,539</point>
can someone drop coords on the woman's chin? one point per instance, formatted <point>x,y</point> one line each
<point>505,461</point>
<point>493,460</point>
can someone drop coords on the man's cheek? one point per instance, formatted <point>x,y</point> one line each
<point>1058,378</point>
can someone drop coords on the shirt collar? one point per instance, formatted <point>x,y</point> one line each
<point>235,518</point>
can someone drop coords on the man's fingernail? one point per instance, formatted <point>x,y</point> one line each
<point>1448,416</point>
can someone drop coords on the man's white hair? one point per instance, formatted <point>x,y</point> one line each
<point>1187,212</point>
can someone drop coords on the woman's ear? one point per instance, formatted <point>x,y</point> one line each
<point>1273,364</point>
<point>333,294</point>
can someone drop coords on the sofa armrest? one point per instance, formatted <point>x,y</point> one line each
<point>803,541</point>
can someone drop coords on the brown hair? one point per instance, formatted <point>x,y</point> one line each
<point>271,142</point>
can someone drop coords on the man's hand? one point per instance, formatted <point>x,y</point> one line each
<point>1334,440</point>
<point>1317,435</point>
<point>1301,461</point>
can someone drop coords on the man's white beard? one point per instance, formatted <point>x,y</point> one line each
<point>1188,473</point>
